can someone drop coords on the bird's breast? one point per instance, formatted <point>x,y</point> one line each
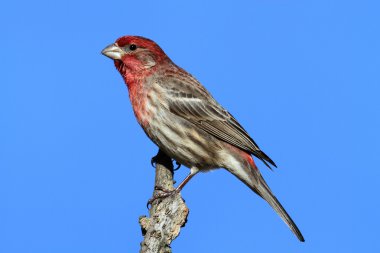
<point>146,102</point>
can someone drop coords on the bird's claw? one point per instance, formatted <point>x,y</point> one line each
<point>178,166</point>
<point>166,193</point>
<point>153,161</point>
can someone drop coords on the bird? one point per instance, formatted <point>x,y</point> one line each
<point>185,121</point>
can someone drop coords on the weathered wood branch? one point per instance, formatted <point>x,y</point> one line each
<point>166,215</point>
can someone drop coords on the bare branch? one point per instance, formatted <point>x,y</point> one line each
<point>167,215</point>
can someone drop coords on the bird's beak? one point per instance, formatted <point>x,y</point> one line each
<point>113,51</point>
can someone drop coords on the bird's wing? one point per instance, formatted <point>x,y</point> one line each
<point>187,98</point>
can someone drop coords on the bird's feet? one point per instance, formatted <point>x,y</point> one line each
<point>154,159</point>
<point>164,193</point>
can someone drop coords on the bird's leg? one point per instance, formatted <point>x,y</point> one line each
<point>167,193</point>
<point>193,172</point>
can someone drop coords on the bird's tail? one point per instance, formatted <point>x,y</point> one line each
<point>252,177</point>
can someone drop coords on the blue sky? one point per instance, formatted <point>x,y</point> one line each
<point>301,76</point>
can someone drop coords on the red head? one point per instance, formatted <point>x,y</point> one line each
<point>135,56</point>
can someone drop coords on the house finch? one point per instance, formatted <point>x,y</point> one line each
<point>182,118</point>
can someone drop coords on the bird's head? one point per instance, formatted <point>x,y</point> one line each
<point>134,55</point>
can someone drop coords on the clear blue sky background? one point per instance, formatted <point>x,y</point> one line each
<point>301,76</point>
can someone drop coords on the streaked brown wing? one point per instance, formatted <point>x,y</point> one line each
<point>188,99</point>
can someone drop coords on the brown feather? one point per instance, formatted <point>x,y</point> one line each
<point>188,99</point>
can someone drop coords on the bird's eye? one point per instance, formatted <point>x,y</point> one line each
<point>132,47</point>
